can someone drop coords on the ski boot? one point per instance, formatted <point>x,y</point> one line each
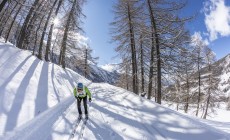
<point>79,117</point>
<point>86,116</point>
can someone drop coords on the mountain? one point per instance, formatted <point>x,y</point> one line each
<point>101,75</point>
<point>221,70</point>
<point>110,67</point>
<point>97,74</point>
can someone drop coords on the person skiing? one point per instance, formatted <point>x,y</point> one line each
<point>81,93</point>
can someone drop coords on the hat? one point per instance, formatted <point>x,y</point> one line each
<point>80,85</point>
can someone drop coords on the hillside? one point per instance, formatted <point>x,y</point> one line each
<point>222,71</point>
<point>36,103</point>
<point>97,74</point>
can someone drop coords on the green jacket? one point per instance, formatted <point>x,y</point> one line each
<point>85,90</point>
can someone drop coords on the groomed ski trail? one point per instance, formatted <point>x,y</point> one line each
<point>73,132</point>
<point>115,114</point>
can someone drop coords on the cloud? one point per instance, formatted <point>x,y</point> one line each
<point>217,18</point>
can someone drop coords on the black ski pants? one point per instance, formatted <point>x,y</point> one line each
<point>79,99</point>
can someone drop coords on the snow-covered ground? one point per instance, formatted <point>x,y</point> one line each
<point>36,102</point>
<point>220,119</point>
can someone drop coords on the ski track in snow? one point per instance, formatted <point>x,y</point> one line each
<point>114,114</point>
<point>102,119</point>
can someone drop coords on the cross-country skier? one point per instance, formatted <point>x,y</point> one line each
<point>81,93</point>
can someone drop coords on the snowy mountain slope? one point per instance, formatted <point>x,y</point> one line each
<point>97,74</point>
<point>222,71</point>
<point>111,67</point>
<point>100,75</point>
<point>224,66</point>
<point>36,103</point>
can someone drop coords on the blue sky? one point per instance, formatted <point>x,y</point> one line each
<point>212,23</point>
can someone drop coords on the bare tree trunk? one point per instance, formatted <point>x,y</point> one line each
<point>44,30</point>
<point>142,67</point>
<point>48,46</point>
<point>158,70</point>
<point>207,105</point>
<point>209,93</point>
<point>199,93</point>
<point>155,35</point>
<point>31,25</point>
<point>63,46</point>
<point>86,64</point>
<point>12,23</point>
<point>3,15</point>
<point>25,24</point>
<point>126,77</point>
<point>133,51</point>
<point>228,106</point>
<point>187,94</point>
<point>3,4</point>
<point>36,34</point>
<point>177,88</point>
<point>152,51</point>
<point>151,65</point>
<point>9,16</point>
<point>155,91</point>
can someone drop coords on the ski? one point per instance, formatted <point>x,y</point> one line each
<point>74,128</point>
<point>82,128</point>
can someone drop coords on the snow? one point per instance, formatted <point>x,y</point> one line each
<point>110,67</point>
<point>225,76</point>
<point>220,119</point>
<point>36,102</point>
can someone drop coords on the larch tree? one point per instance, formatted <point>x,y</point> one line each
<point>72,24</point>
<point>14,20</point>
<point>123,31</point>
<point>187,69</point>
<point>44,29</point>
<point>88,60</point>
<point>8,16</point>
<point>198,57</point>
<point>3,3</point>
<point>48,45</point>
<point>21,38</point>
<point>166,29</point>
<point>211,89</point>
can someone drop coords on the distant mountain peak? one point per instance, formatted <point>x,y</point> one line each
<point>109,67</point>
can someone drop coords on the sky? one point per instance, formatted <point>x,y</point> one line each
<point>212,23</point>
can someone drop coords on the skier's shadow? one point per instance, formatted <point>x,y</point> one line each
<point>102,132</point>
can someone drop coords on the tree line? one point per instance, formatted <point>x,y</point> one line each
<point>30,25</point>
<point>159,55</point>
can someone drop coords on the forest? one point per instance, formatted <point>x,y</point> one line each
<point>160,57</point>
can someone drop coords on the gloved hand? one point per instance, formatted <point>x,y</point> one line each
<point>90,100</point>
<point>76,97</point>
